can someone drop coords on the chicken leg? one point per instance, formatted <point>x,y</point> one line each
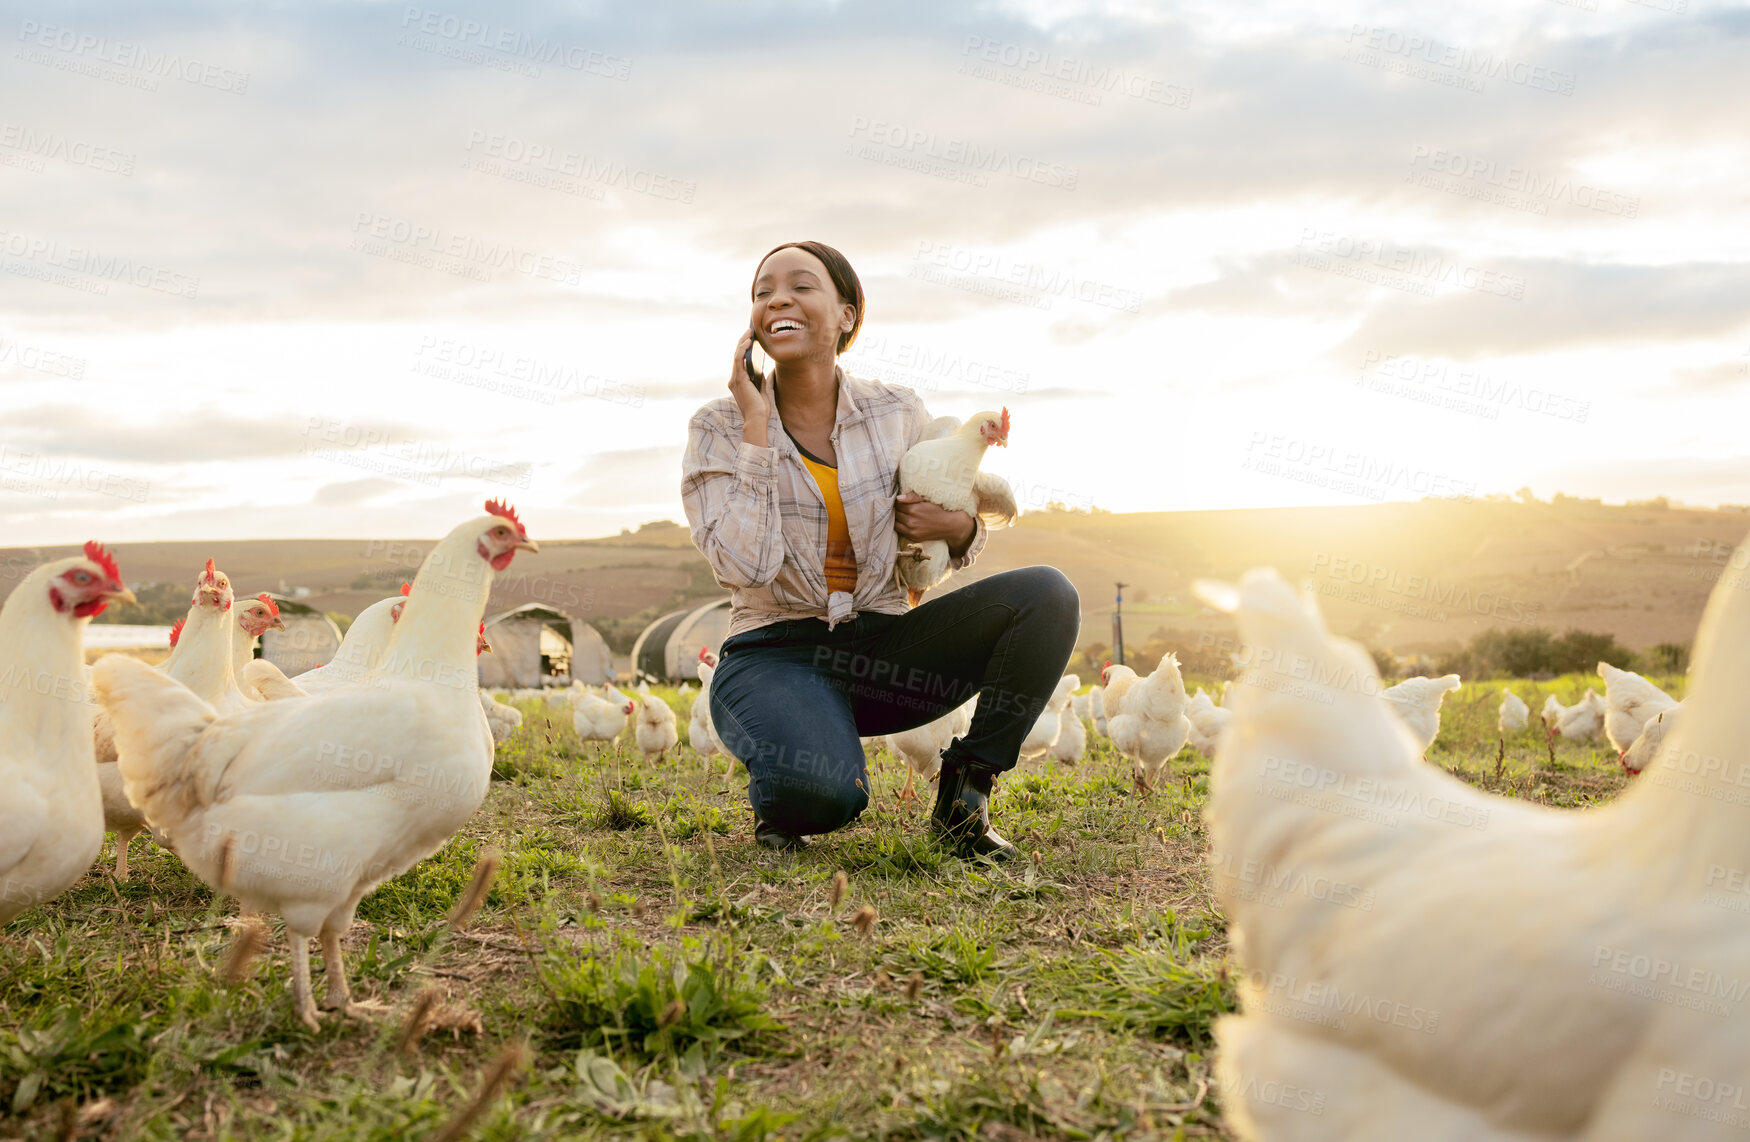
<point>123,837</point>
<point>303,1002</point>
<point>338,996</point>
<point>908,791</point>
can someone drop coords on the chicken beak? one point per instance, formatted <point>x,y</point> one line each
<point>528,545</point>
<point>121,596</point>
<point>278,624</point>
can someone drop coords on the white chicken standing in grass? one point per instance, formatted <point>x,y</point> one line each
<point>1441,964</point>
<point>1514,715</point>
<point>51,808</point>
<point>921,747</point>
<point>1207,722</point>
<point>300,808</point>
<point>1048,724</point>
<point>1149,726</point>
<point>655,729</point>
<point>701,734</point>
<point>1072,737</point>
<point>942,467</point>
<point>1646,747</point>
<point>203,658</point>
<point>599,717</point>
<point>1097,709</point>
<point>360,652</point>
<point>1630,702</point>
<point>502,719</point>
<point>1581,722</point>
<point>1417,702</point>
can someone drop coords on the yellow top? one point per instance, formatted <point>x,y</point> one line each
<point>841,561</point>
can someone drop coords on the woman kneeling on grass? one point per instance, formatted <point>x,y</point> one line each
<point>789,493</point>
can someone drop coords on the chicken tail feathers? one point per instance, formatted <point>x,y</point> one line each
<point>157,725</point>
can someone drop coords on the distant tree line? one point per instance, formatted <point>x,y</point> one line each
<point>1538,651</point>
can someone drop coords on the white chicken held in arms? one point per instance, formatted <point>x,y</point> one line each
<point>655,729</point>
<point>300,808</point>
<point>1149,726</point>
<point>1441,964</point>
<point>1630,702</point>
<point>1417,702</point>
<point>942,467</point>
<point>51,810</point>
<point>1514,714</point>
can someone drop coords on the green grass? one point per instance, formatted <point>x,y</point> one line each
<point>671,979</point>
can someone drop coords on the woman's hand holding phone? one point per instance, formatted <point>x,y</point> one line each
<point>750,396</point>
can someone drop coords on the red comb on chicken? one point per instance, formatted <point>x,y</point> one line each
<point>99,554</point>
<point>176,630</point>
<point>500,508</point>
<point>271,605</point>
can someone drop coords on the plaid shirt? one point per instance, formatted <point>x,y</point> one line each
<point>757,515</point>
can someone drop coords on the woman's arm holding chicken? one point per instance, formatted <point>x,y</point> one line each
<point>916,518</point>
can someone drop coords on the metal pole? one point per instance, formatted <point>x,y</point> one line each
<point>1118,627</point>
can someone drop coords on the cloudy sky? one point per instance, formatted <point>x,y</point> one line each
<point>345,269</point>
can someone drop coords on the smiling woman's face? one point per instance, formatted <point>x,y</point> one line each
<point>797,313</point>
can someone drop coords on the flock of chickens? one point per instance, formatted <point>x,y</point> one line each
<point>1422,959</point>
<point>296,798</point>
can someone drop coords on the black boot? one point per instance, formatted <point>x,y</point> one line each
<point>776,839</point>
<point>962,814</point>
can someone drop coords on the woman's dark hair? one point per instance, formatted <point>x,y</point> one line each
<point>844,279</point>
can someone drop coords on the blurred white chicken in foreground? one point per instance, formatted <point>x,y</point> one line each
<point>942,467</point>
<point>1439,964</point>
<point>921,748</point>
<point>51,810</point>
<point>1417,702</point>
<point>1513,715</point>
<point>1148,721</point>
<point>1630,702</point>
<point>1207,722</point>
<point>302,807</point>
<point>655,729</point>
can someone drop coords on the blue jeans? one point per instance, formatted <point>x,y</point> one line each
<point>792,699</point>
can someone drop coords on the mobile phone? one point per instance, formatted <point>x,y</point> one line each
<point>756,377</point>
